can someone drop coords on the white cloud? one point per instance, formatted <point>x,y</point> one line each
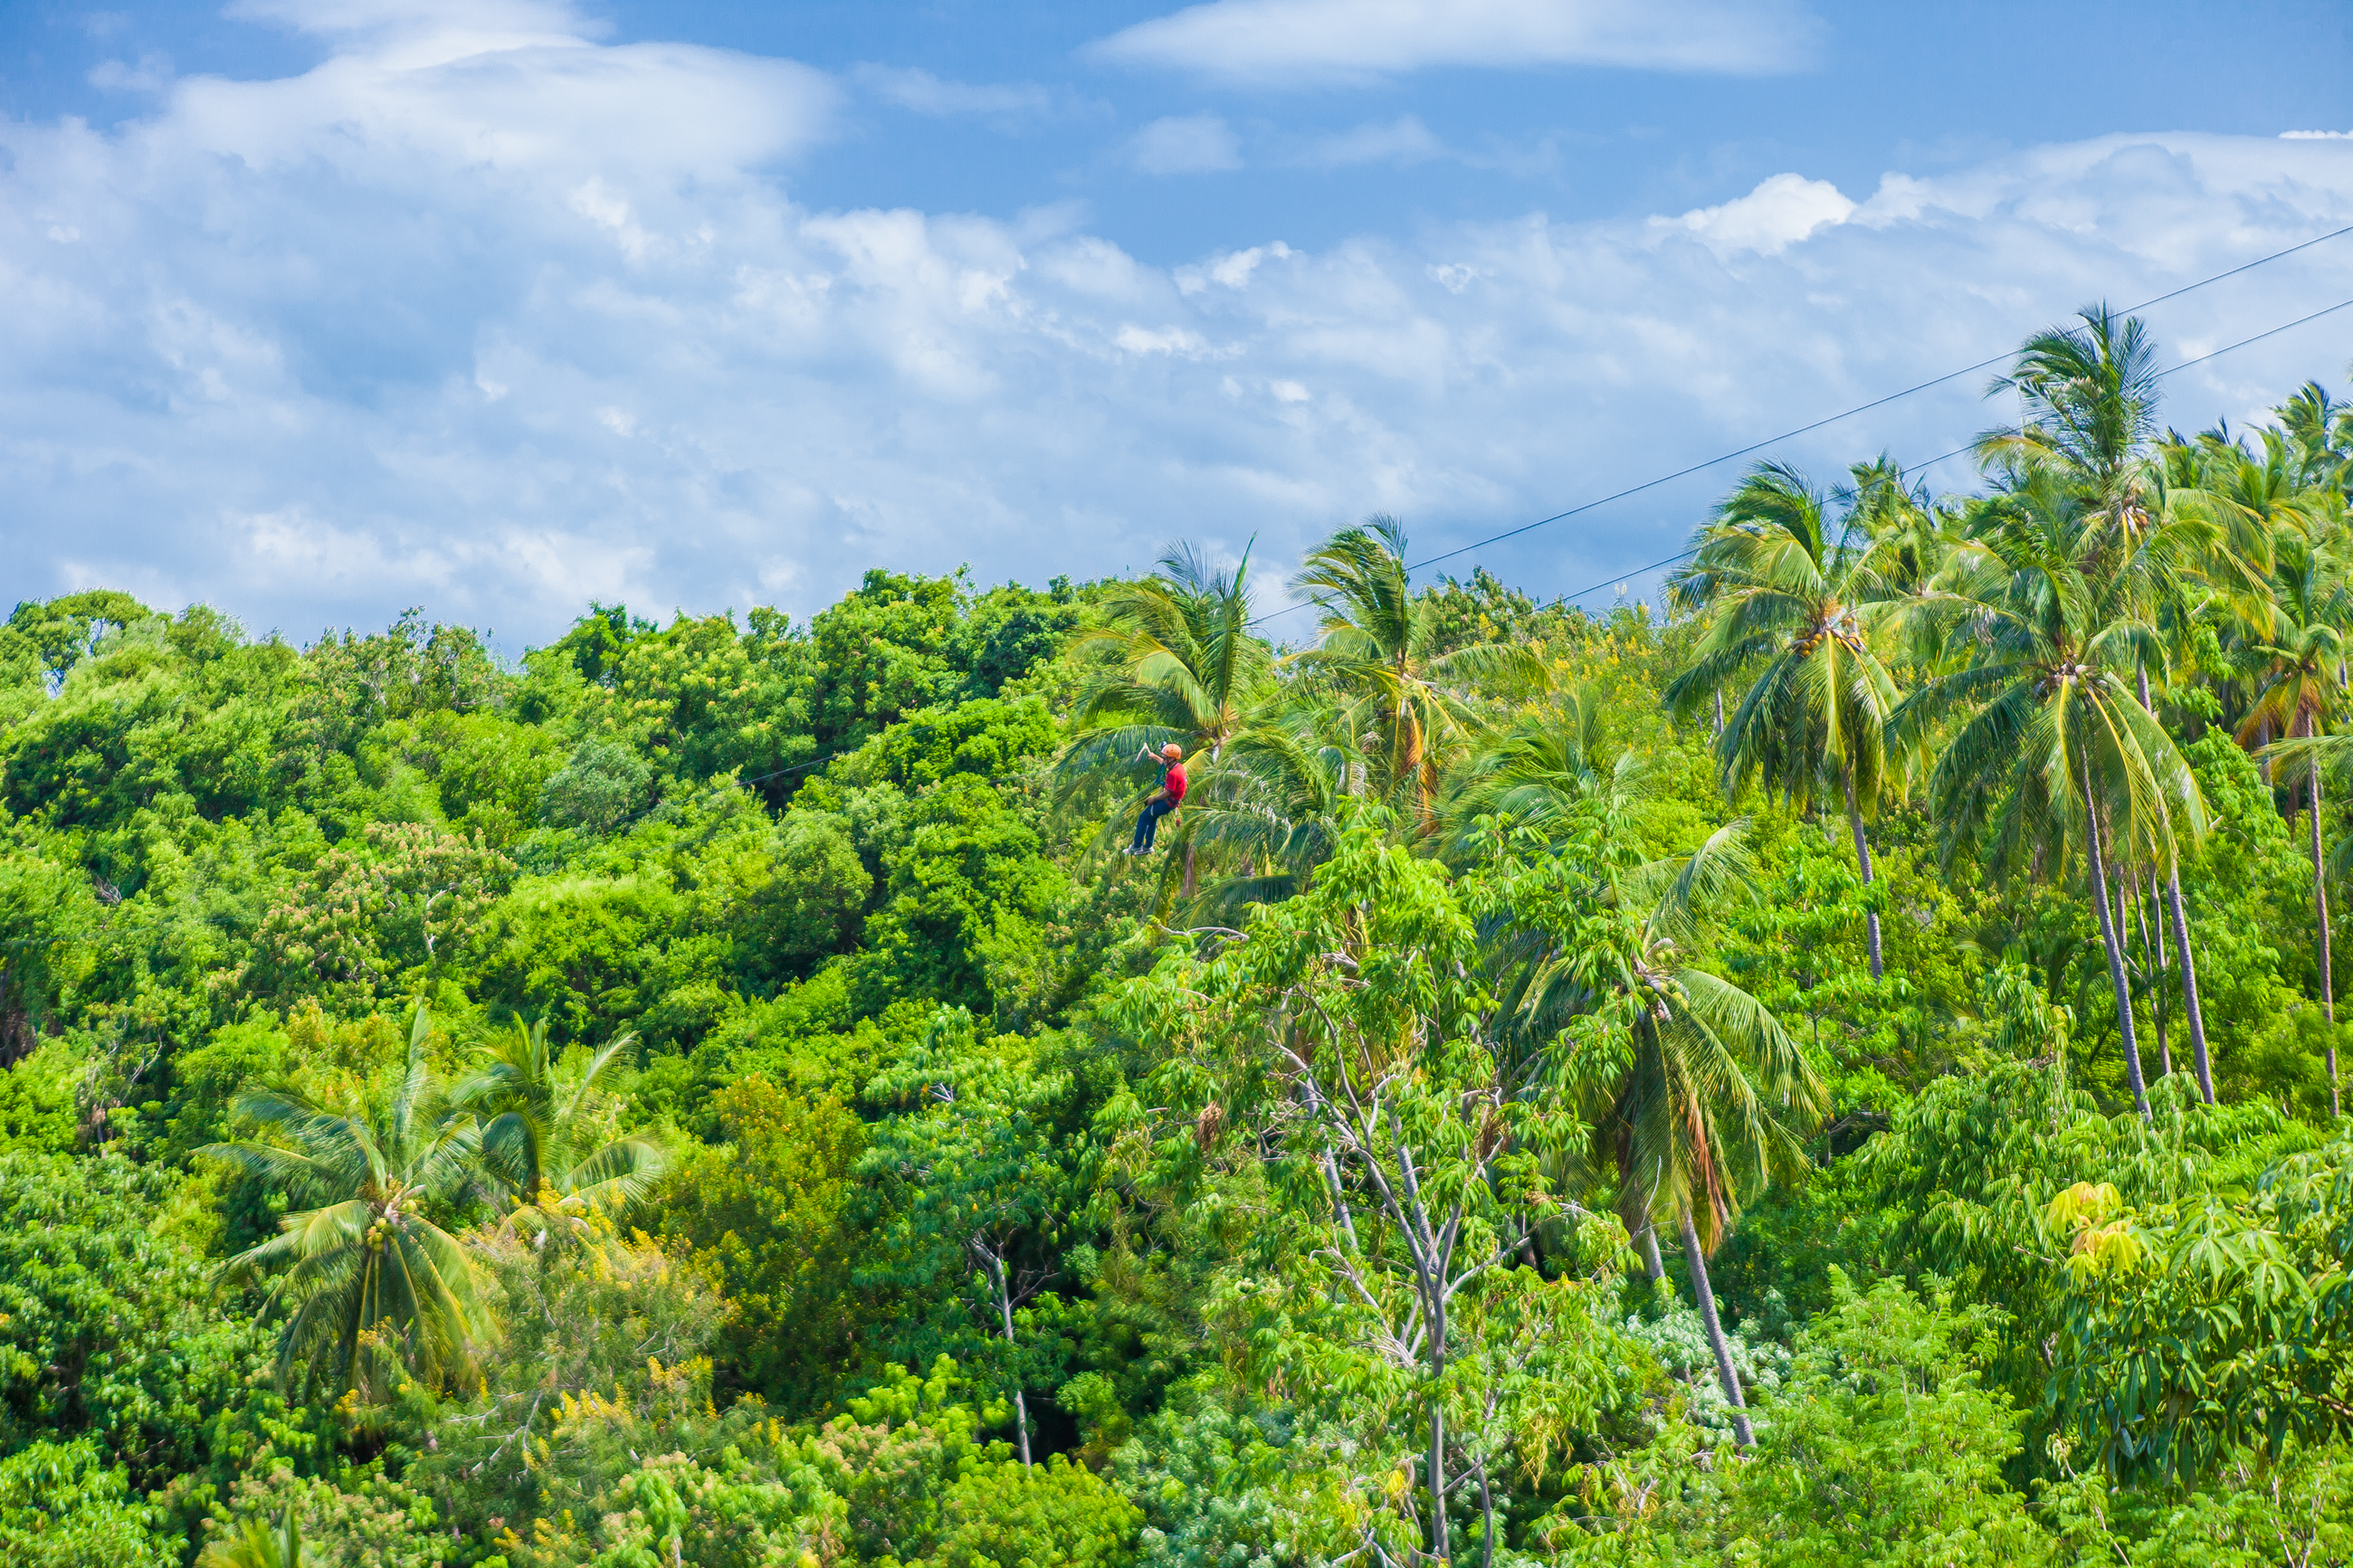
<point>151,74</point>
<point>1404,140</point>
<point>1285,42</point>
<point>318,349</point>
<point>1779,212</point>
<point>2317,135</point>
<point>1185,144</point>
<point>922,92</point>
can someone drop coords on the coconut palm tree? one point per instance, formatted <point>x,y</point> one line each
<point>1414,704</point>
<point>1550,762</point>
<point>2300,687</point>
<point>1173,660</point>
<point>363,1267</point>
<point>1792,595</point>
<point>540,1131</point>
<point>1714,1097</point>
<point>2055,756</point>
<point>2089,396</point>
<point>257,1545</point>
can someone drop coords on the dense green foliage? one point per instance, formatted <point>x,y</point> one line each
<point>1842,1071</point>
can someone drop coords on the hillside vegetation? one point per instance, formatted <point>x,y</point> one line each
<point>1838,1066</point>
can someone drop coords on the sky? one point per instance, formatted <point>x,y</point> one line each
<point>318,311</point>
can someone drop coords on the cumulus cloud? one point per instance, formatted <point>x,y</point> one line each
<point>1779,212</point>
<point>1285,42</point>
<point>377,335</point>
<point>1185,144</point>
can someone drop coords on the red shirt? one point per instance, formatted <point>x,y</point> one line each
<point>1173,781</point>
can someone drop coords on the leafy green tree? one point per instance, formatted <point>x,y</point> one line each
<point>62,1507</point>
<point>773,1208</point>
<point>701,699</point>
<point>1343,1046</point>
<point>108,1328</point>
<point>368,1275</point>
<point>598,789</point>
<point>369,915</point>
<point>1882,1448</point>
<point>883,651</point>
<point>973,1184</point>
<point>599,640</point>
<point>63,631</point>
<point>812,906</point>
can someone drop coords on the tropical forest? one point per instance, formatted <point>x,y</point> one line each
<point>1838,1065</point>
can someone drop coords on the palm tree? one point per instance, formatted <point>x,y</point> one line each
<point>366,1269</point>
<point>1413,703</point>
<point>257,1546</point>
<point>1713,1099</point>
<point>1173,660</point>
<point>2089,396</point>
<point>538,1118</point>
<point>2056,754</point>
<point>1786,593</point>
<point>2300,684</point>
<point>2323,428</point>
<point>1543,767</point>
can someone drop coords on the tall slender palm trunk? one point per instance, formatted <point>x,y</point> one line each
<point>2152,946</point>
<point>2189,988</point>
<point>2109,939</point>
<point>2320,911</point>
<point>1697,1262</point>
<point>1863,859</point>
<point>2191,1013</point>
<point>1650,1253</point>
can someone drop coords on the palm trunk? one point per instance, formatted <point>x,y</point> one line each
<point>1719,712</point>
<point>2320,913</point>
<point>1725,1374</point>
<point>2190,1011</point>
<point>2117,882</point>
<point>1863,858</point>
<point>2152,945</point>
<point>1188,866</point>
<point>2189,988</point>
<point>2108,939</point>
<point>1650,1239</point>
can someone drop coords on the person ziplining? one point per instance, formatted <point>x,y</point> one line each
<point>1167,798</point>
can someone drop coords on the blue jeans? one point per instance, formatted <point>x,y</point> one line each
<point>1149,822</point>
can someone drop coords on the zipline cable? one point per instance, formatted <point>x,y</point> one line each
<point>1959,451</point>
<point>1858,408</point>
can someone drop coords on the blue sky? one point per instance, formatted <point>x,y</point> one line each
<point>316,310</point>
